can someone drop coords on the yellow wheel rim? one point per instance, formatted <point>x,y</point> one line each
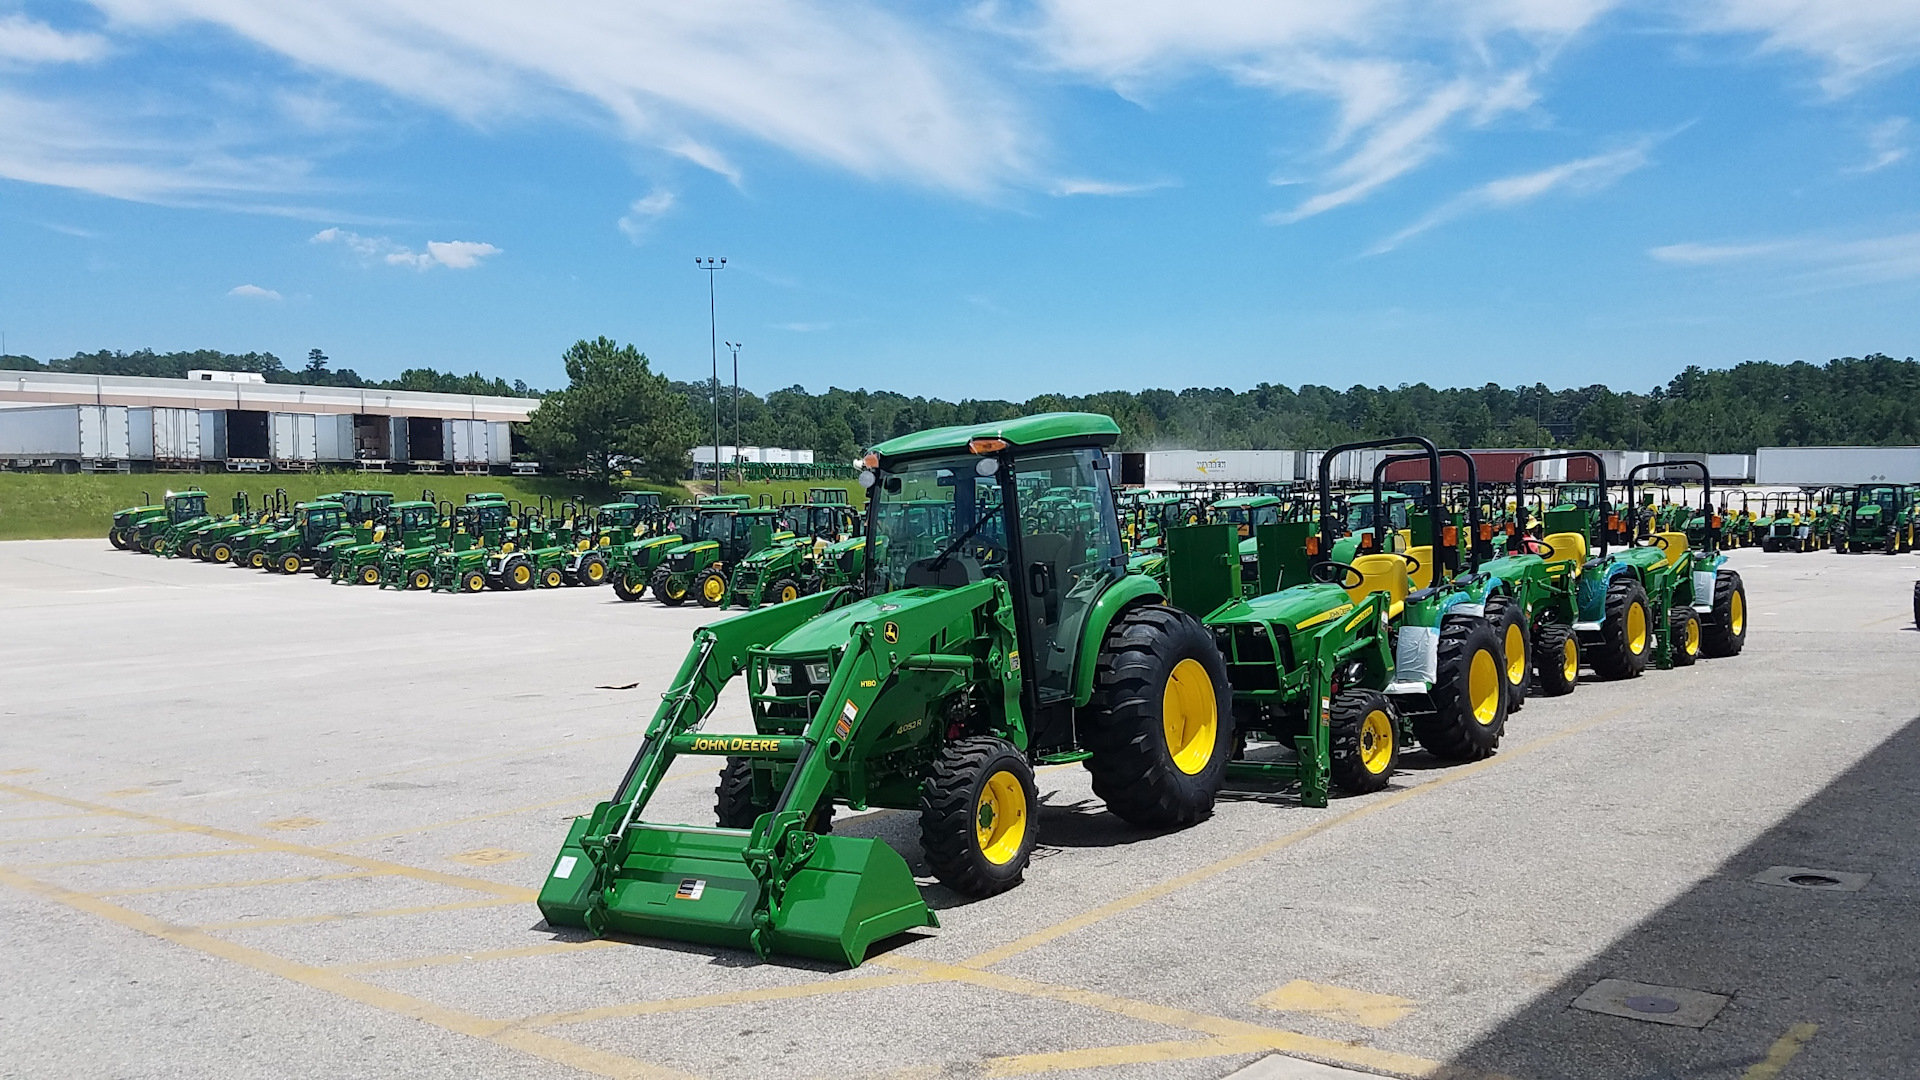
<point>596,573</point>
<point>221,554</point>
<point>475,583</point>
<point>1483,687</point>
<point>291,564</point>
<point>257,560</point>
<point>370,576</point>
<point>553,579</point>
<point>1516,655</point>
<point>1191,715</point>
<point>1000,818</point>
<point>522,575</point>
<point>1376,742</point>
<point>1737,613</point>
<point>421,579</point>
<point>713,588</point>
<point>1693,637</point>
<point>1637,629</point>
<point>1570,659</point>
<point>788,593</point>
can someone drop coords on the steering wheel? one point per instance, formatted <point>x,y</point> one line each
<point>1413,564</point>
<point>1534,545</point>
<point>1336,573</point>
<point>1659,541</point>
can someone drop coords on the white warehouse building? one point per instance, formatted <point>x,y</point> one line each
<point>237,421</point>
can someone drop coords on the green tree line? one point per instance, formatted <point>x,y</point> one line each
<point>1872,400</point>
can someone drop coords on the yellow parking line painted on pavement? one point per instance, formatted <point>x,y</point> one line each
<point>1338,1003</point>
<point>1137,1054</point>
<point>83,836</point>
<point>535,1044</point>
<point>438,877</point>
<point>444,959</point>
<point>817,988</point>
<point>109,860</point>
<point>1290,1042</point>
<point>347,916</point>
<point>1781,1053</point>
<point>207,886</point>
<point>1139,897</point>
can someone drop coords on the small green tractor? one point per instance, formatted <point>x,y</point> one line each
<point>124,532</point>
<point>722,537</point>
<point>1663,599</point>
<point>822,530</point>
<point>631,565</point>
<point>248,546</point>
<point>986,644</point>
<point>1877,517</point>
<point>160,534</point>
<point>318,528</point>
<point>202,539</point>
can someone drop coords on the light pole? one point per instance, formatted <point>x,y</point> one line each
<point>735,346</point>
<point>712,265</point>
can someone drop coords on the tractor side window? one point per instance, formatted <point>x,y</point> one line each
<point>1070,551</point>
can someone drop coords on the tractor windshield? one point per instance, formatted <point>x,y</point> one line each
<point>320,522</point>
<point>922,509</point>
<point>1887,498</point>
<point>188,507</point>
<point>1248,515</point>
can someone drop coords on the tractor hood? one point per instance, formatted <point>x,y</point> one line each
<point>833,629</point>
<point>1289,607</point>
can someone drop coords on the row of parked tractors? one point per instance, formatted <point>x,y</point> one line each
<point>719,551</point>
<point>1014,610</point>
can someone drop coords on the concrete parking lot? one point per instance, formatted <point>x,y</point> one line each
<point>258,826</point>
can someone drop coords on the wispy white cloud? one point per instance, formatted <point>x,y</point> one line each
<point>452,254</point>
<point>1887,143</point>
<point>1855,40</point>
<point>253,292</point>
<point>1819,260</point>
<point>1582,176</point>
<point>644,211</point>
<point>29,41</point>
<point>1071,187</point>
<point>849,84</point>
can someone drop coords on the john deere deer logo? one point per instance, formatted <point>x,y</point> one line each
<point>891,632</point>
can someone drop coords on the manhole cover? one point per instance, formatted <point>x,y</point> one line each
<point>1813,879</point>
<point>1653,1004</point>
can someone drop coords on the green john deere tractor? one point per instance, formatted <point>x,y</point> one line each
<point>318,528</point>
<point>200,539</point>
<point>1877,517</point>
<point>986,644</point>
<point>408,524</point>
<point>723,536</point>
<point>125,529</point>
<point>161,534</point>
<point>1663,600</point>
<point>787,569</point>
<point>631,565</point>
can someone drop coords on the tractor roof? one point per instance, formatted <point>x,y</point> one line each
<point>1088,429</point>
<point>1254,501</point>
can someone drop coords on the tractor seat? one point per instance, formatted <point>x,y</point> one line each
<point>1382,574</point>
<point>1422,577</point>
<point>1568,547</point>
<point>958,570</point>
<point>1676,545</point>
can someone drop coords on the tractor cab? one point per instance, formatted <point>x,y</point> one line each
<point>480,524</point>
<point>366,509</point>
<point>315,521</point>
<point>185,506</point>
<point>1578,496</point>
<point>1874,517</point>
<point>1374,524</point>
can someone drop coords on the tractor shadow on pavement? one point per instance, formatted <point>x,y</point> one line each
<point>1784,955</point>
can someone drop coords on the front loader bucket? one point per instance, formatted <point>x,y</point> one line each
<point>692,884</point>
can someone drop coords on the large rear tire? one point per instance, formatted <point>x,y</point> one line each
<point>117,538</point>
<point>979,816</point>
<point>1363,741</point>
<point>1509,622</point>
<point>623,590</point>
<point>517,575</point>
<point>1626,638</point>
<point>1724,632</point>
<point>593,571</point>
<point>1469,695</point>
<point>1556,654</point>
<point>711,588</point>
<point>1159,726</point>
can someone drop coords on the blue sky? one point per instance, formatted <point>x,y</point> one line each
<point>991,199</point>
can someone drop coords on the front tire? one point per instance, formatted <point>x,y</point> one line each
<point>117,538</point>
<point>1509,622</point>
<point>782,591</point>
<point>552,578</point>
<point>711,588</point>
<point>1159,725</point>
<point>1469,696</point>
<point>1556,652</point>
<point>257,560</point>
<point>623,589</point>
<point>1363,741</point>
<point>735,808</point>
<point>978,816</point>
<point>290,564</point>
<point>221,553</point>
<point>1627,635</point>
<point>370,575</point>
<point>1725,632</point>
<point>420,580</point>
<point>473,581</point>
<point>1683,636</point>
<point>666,590</point>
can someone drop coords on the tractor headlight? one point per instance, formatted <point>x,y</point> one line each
<point>820,674</point>
<point>783,674</point>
